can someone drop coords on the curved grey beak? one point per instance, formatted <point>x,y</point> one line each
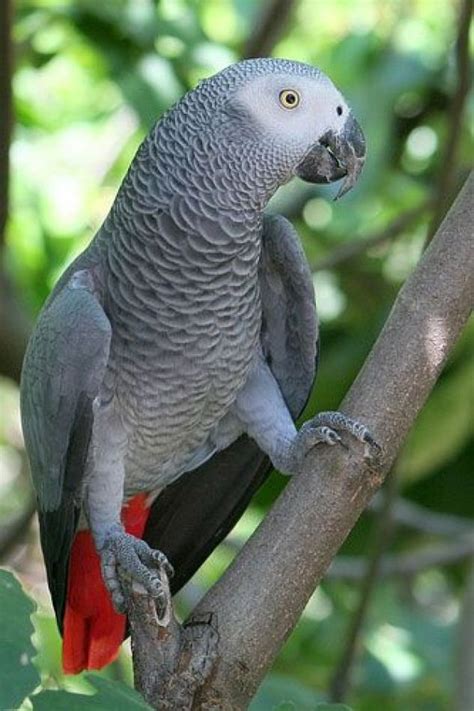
<point>336,156</point>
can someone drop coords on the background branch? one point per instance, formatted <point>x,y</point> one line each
<point>14,322</point>
<point>261,596</point>
<point>342,678</point>
<point>404,564</point>
<point>352,249</point>
<point>269,28</point>
<point>407,513</point>
<point>446,175</point>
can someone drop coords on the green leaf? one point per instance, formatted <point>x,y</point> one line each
<point>18,677</point>
<point>110,695</point>
<point>47,641</point>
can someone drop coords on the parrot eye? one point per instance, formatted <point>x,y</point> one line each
<point>289,98</point>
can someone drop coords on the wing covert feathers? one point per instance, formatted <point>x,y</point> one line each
<point>64,365</point>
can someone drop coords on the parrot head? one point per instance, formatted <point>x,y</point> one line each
<point>294,112</point>
<point>306,118</point>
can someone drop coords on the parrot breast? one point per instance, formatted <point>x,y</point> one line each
<point>180,253</point>
<point>185,314</point>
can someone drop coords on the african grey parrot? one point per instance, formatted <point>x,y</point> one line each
<point>167,367</point>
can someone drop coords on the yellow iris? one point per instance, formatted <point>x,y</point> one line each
<point>289,98</point>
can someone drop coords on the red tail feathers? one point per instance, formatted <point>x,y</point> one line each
<point>93,631</point>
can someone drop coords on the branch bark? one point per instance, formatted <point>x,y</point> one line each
<point>261,596</point>
<point>170,661</point>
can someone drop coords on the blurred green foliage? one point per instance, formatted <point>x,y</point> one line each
<point>91,78</point>
<point>18,677</point>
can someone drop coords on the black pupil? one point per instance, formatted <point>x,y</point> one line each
<point>339,110</point>
<point>290,98</point>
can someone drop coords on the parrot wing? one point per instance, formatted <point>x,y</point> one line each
<point>192,515</point>
<point>62,373</point>
<point>290,323</point>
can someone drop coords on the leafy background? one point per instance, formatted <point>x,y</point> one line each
<point>90,78</point>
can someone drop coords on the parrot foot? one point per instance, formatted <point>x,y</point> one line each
<point>126,559</point>
<point>339,421</point>
<point>323,429</point>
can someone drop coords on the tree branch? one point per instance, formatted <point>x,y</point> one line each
<point>261,596</point>
<point>269,28</point>
<point>342,679</point>
<point>170,661</point>
<point>446,174</point>
<point>14,322</point>
<point>406,513</point>
<point>404,564</point>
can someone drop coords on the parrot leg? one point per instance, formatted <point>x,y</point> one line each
<point>126,559</point>
<point>265,417</point>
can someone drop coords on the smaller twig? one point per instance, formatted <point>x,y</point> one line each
<point>352,249</point>
<point>445,180</point>
<point>411,515</point>
<point>342,679</point>
<point>269,28</point>
<point>170,661</point>
<point>404,564</point>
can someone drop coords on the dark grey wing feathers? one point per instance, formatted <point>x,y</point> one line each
<point>62,373</point>
<point>290,323</point>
